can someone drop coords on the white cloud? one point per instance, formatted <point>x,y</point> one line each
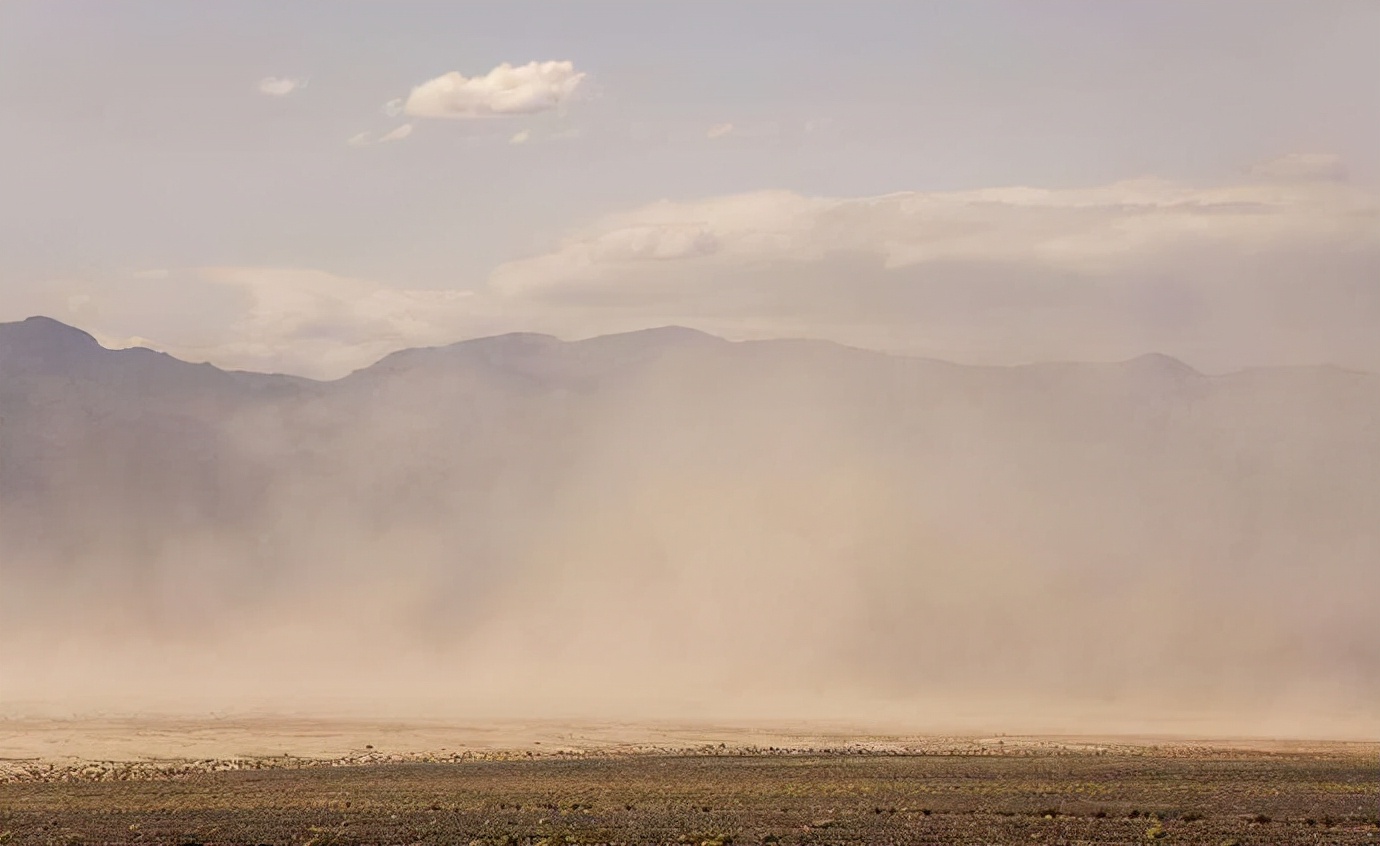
<point>394,107</point>
<point>1302,166</point>
<point>275,86</point>
<point>505,90</point>
<point>364,139</point>
<point>319,324</point>
<point>520,137</point>
<point>397,134</point>
<point>719,130</point>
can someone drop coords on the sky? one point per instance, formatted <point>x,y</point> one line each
<point>306,186</point>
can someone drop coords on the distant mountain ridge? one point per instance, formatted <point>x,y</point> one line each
<point>55,343</point>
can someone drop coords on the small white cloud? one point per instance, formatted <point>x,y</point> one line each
<point>364,139</point>
<point>129,342</point>
<point>719,130</point>
<point>393,107</point>
<point>280,86</point>
<point>1302,166</point>
<point>520,137</point>
<point>397,134</point>
<point>505,90</point>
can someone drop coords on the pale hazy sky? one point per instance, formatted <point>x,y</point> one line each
<point>305,186</point>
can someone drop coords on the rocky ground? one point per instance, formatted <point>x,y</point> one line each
<point>990,791</point>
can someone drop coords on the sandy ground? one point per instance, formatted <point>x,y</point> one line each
<point>163,738</point>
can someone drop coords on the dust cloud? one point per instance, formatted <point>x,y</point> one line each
<point>664,526</point>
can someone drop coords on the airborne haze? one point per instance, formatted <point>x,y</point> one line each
<point>981,366</point>
<point>664,524</point>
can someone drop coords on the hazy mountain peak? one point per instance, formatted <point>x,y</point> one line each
<point>527,350</point>
<point>44,334</point>
<point>45,344</point>
<point>491,347</point>
<point>1159,364</point>
<point>512,340</point>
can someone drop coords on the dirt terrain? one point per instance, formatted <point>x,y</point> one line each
<point>617,784</point>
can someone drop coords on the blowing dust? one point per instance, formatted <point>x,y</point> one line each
<point>726,532</point>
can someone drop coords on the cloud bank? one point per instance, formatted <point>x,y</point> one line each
<point>1281,269</point>
<point>506,90</point>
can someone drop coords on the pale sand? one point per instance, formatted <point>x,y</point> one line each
<point>163,738</point>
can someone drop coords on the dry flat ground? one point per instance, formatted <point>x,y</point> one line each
<point>1009,791</point>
